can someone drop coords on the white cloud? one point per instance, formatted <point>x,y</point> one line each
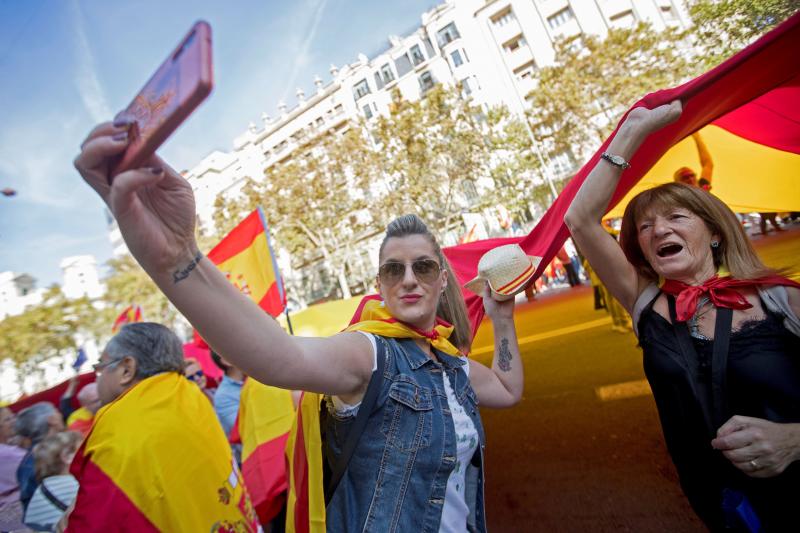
<point>89,88</point>
<point>302,57</point>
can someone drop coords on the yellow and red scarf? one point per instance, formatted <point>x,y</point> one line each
<point>156,459</point>
<point>305,509</point>
<point>721,290</point>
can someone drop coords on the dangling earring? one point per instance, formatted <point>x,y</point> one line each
<point>715,244</point>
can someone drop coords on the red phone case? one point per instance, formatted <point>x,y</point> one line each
<point>179,85</point>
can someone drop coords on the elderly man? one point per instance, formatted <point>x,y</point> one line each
<point>33,424</point>
<point>155,459</point>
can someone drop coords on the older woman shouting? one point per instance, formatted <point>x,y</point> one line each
<point>719,331</point>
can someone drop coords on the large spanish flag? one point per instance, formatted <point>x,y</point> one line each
<point>262,426</point>
<point>751,99</point>
<point>305,506</point>
<point>245,257</point>
<point>156,459</point>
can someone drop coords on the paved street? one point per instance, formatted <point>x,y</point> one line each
<point>583,451</point>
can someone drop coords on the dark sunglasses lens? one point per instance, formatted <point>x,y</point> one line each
<point>391,273</point>
<point>426,270</point>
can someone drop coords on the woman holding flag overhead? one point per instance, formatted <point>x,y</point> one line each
<point>418,465</point>
<point>719,331</point>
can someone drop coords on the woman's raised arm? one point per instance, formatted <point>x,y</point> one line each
<point>583,218</point>
<point>155,210</point>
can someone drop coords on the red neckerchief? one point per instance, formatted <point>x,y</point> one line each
<point>721,291</point>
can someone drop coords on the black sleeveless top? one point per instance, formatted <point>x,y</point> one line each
<point>763,381</point>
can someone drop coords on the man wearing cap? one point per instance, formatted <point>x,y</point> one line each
<point>688,176</point>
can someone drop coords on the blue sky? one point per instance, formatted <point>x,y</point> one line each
<point>66,65</point>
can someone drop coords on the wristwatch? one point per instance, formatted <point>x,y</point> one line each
<point>616,160</point>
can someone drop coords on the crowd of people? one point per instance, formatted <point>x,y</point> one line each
<point>719,331</point>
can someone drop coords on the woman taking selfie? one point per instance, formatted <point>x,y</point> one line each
<point>411,470</point>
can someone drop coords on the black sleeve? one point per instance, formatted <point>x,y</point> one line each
<point>65,406</point>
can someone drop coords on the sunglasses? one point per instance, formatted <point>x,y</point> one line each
<point>425,270</point>
<point>196,376</point>
<point>100,367</point>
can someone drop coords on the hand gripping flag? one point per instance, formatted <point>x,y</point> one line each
<point>245,257</point>
<point>262,426</point>
<point>753,95</point>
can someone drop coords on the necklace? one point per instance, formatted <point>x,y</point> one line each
<point>694,328</point>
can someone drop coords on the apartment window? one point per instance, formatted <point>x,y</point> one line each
<point>403,65</point>
<point>515,43</point>
<point>625,19</point>
<point>386,73</point>
<point>456,57</point>
<point>426,81</point>
<point>361,89</point>
<point>668,13</point>
<point>503,18</point>
<point>466,88</point>
<point>526,71</point>
<point>448,34</point>
<point>378,81</point>
<point>320,121</point>
<point>416,55</point>
<point>338,110</point>
<point>470,191</point>
<point>367,112</point>
<point>560,18</point>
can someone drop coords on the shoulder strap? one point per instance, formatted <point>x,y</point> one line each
<point>645,298</point>
<point>52,497</point>
<point>364,412</point>
<point>716,413</point>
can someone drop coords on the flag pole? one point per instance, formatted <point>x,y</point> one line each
<point>288,320</point>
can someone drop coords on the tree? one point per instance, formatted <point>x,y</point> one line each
<point>723,27</point>
<point>434,152</point>
<point>593,81</point>
<point>128,284</point>
<point>47,330</point>
<point>316,202</point>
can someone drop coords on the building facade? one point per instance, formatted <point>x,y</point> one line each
<point>491,49</point>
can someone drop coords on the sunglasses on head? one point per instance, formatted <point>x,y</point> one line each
<point>425,270</point>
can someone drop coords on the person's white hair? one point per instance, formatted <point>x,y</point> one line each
<point>155,348</point>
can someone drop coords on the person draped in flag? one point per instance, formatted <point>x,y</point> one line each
<point>419,466</point>
<point>719,331</point>
<point>155,459</point>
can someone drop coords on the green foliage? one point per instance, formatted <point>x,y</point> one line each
<point>46,330</point>
<point>128,284</point>
<point>582,96</point>
<point>723,27</point>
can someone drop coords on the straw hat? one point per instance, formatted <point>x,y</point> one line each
<point>507,269</point>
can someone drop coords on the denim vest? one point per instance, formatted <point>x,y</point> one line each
<point>398,473</point>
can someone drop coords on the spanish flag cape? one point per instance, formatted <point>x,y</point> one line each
<point>262,426</point>
<point>305,508</point>
<point>156,459</point>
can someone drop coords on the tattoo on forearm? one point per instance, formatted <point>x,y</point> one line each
<point>504,357</point>
<point>180,275</point>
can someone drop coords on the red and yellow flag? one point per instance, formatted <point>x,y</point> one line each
<point>245,257</point>
<point>262,426</point>
<point>156,459</point>
<point>129,315</point>
<point>305,505</point>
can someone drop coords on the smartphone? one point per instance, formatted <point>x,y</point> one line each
<point>179,85</point>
